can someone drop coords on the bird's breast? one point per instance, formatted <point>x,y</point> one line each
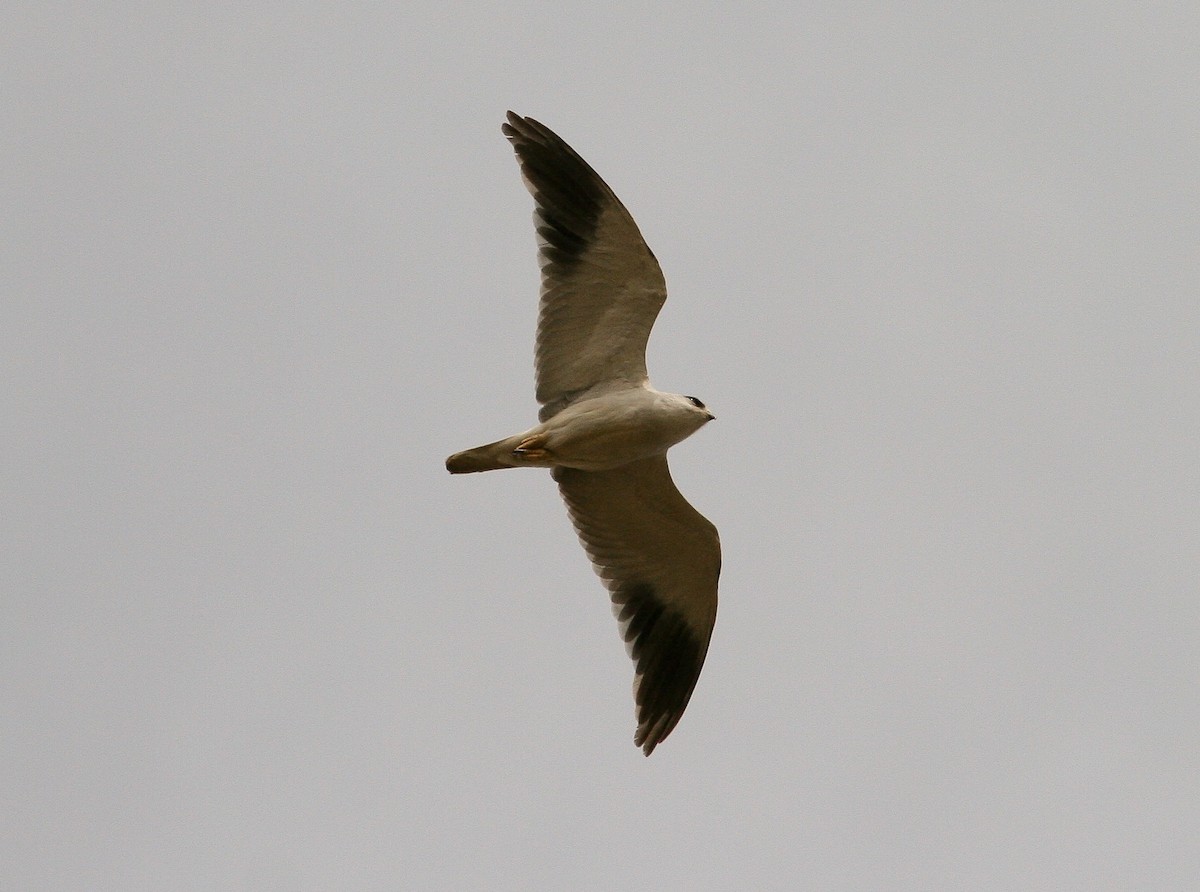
<point>605,433</point>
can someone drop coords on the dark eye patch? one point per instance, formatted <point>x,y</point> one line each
<point>695,402</point>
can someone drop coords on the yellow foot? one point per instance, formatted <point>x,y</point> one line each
<point>532,449</point>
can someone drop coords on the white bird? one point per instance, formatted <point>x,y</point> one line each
<point>604,431</point>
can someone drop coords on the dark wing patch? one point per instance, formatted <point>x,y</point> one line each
<point>570,195</point>
<point>667,659</point>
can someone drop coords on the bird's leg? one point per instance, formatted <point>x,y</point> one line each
<point>533,449</point>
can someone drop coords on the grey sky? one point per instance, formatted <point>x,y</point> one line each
<point>934,267</point>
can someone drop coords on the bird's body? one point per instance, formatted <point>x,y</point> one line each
<point>604,431</point>
<point>595,434</point>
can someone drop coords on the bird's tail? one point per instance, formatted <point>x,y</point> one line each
<point>491,457</point>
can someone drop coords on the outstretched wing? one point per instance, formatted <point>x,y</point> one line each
<point>601,286</point>
<point>659,558</point>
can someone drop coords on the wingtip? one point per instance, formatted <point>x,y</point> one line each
<point>647,739</point>
<point>522,126</point>
<point>512,123</point>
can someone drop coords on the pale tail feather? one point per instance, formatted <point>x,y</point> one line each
<point>491,457</point>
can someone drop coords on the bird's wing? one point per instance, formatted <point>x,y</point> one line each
<point>601,286</point>
<point>659,558</point>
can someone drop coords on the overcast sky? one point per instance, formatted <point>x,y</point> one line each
<point>936,269</point>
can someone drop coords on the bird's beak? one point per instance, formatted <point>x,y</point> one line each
<point>712,417</point>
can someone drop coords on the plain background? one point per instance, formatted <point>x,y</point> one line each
<point>933,265</point>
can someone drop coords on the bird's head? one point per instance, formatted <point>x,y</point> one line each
<point>700,408</point>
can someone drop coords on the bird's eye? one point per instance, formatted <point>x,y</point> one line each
<point>695,402</point>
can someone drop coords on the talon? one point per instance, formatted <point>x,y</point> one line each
<point>532,449</point>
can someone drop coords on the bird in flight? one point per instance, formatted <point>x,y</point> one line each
<point>604,431</point>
